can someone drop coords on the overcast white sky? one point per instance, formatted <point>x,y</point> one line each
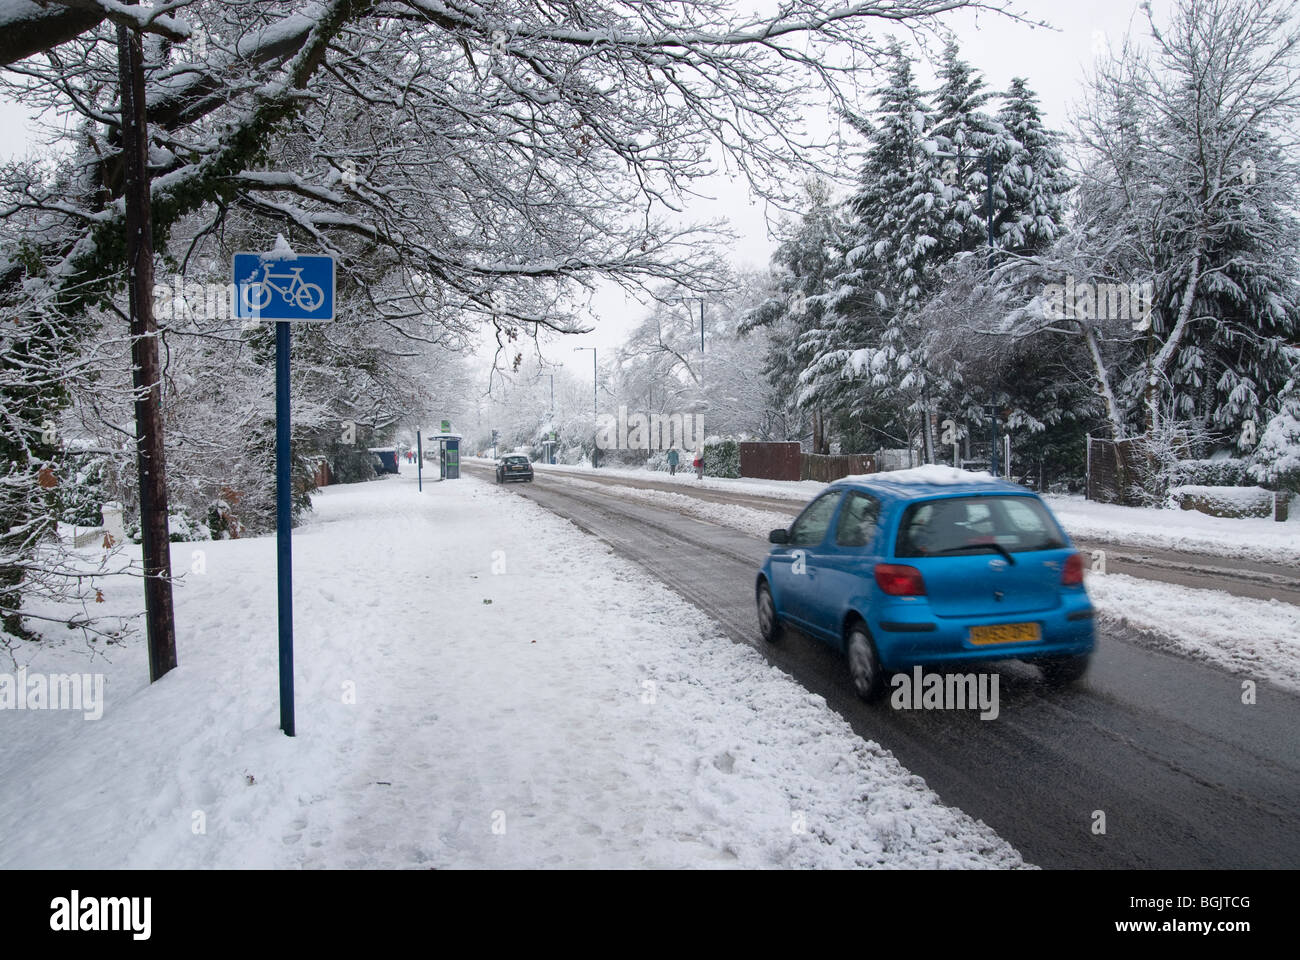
<point>1053,60</point>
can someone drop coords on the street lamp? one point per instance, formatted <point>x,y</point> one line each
<point>702,302</point>
<point>991,411</point>
<point>594,376</point>
<point>595,454</point>
<point>552,376</point>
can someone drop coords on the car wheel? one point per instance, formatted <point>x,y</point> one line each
<point>864,666</point>
<point>769,624</point>
<point>1063,671</point>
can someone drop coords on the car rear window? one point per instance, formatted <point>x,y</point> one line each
<point>516,460</point>
<point>957,525</point>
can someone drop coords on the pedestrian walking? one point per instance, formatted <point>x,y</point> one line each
<point>698,464</point>
<point>672,461</point>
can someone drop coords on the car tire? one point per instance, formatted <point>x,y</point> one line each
<point>1063,671</point>
<point>769,624</point>
<point>865,671</point>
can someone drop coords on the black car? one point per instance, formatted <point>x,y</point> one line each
<point>514,468</point>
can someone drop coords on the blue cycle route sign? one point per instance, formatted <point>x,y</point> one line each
<point>283,286</point>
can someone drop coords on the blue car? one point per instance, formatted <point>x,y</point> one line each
<point>929,566</point>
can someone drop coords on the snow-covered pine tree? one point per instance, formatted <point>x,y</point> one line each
<point>1030,379</point>
<point>964,133</point>
<point>867,359</point>
<point>1030,179</point>
<point>1228,373</point>
<point>803,267</point>
<point>1276,461</point>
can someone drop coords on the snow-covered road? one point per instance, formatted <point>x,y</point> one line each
<point>1191,774</point>
<point>1249,624</point>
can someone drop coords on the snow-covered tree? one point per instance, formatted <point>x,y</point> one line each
<point>869,356</point>
<point>795,313</point>
<point>1191,183</point>
<point>964,135</point>
<point>1276,459</point>
<point>1031,185</point>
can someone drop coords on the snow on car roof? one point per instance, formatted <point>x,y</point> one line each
<point>930,475</point>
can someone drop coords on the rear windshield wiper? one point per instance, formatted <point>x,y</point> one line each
<point>992,545</point>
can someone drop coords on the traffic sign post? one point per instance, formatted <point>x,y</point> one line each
<point>284,526</point>
<point>285,288</point>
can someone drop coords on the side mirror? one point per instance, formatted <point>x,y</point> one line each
<point>779,536</point>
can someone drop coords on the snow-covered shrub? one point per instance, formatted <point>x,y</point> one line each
<point>352,464</point>
<point>181,527</point>
<point>1276,461</point>
<point>722,457</point>
<point>185,528</point>
<point>572,456</point>
<point>80,495</point>
<point>1153,459</point>
<point>1228,472</point>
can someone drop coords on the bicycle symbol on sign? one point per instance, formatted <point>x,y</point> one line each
<point>308,296</point>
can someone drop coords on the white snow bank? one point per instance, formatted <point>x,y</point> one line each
<point>797,490</point>
<point>1259,639</point>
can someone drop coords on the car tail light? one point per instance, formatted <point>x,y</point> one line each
<point>1072,575</point>
<point>900,581</point>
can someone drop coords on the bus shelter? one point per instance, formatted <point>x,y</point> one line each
<point>448,454</point>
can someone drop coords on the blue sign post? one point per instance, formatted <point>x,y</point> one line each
<point>284,287</point>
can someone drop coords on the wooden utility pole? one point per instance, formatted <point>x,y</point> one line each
<point>146,373</point>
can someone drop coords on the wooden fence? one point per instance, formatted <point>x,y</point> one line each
<point>770,461</point>
<point>816,467</point>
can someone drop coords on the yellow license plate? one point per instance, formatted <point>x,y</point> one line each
<point>1004,633</point>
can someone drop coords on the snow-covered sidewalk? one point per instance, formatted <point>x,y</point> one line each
<point>479,685</point>
<point>1252,538</point>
